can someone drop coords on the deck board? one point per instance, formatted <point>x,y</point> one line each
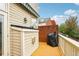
<point>46,50</point>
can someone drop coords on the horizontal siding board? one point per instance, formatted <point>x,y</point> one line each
<point>28,46</point>
<point>15,42</point>
<point>17,15</point>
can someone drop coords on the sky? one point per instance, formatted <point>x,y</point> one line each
<point>58,11</point>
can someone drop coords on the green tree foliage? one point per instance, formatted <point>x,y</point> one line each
<point>70,27</point>
<point>62,28</point>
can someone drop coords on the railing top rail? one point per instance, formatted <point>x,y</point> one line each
<point>75,43</point>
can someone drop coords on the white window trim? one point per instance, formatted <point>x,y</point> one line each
<point>4,34</point>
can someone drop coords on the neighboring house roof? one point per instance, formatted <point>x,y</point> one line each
<point>43,20</point>
<point>27,6</point>
<point>42,24</point>
<point>48,23</point>
<point>51,22</point>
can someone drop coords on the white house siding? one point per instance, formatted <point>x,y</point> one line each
<point>15,42</point>
<point>17,15</point>
<point>28,47</point>
<point>21,41</point>
<point>19,45</point>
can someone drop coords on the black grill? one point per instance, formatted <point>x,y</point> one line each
<point>52,39</point>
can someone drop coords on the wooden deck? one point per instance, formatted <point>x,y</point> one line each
<point>46,50</point>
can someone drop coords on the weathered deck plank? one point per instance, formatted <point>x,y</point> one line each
<point>46,50</point>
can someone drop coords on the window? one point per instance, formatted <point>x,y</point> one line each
<point>1,18</point>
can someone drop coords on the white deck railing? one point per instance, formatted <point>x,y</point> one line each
<point>68,46</point>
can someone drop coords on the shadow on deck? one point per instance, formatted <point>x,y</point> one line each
<point>46,50</point>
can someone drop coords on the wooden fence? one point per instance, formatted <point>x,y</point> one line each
<point>45,30</point>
